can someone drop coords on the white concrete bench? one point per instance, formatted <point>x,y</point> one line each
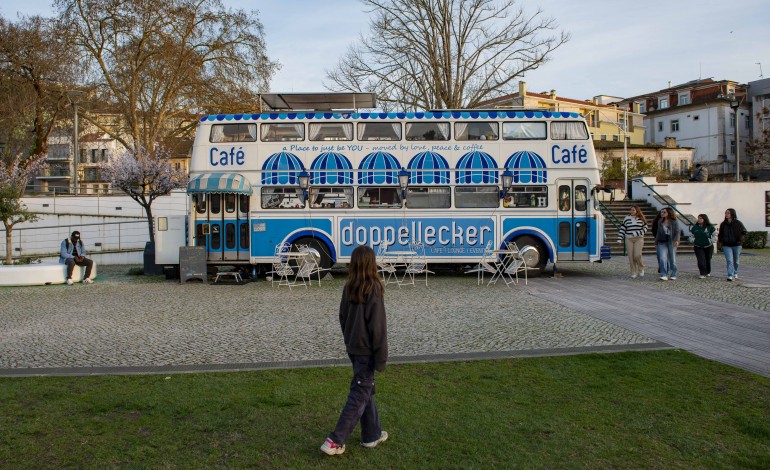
<point>48,272</point>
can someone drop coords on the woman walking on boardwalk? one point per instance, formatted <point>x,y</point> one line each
<point>731,235</point>
<point>632,229</point>
<point>362,318</point>
<point>703,238</point>
<point>666,242</point>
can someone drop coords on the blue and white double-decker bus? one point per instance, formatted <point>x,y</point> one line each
<point>454,180</point>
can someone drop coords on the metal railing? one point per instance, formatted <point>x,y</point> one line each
<point>38,242</point>
<point>608,214</point>
<point>663,198</point>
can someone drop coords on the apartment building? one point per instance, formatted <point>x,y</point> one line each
<point>701,114</point>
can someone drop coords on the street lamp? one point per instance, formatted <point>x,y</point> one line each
<point>735,103</point>
<point>304,183</point>
<point>507,182</point>
<point>625,153</point>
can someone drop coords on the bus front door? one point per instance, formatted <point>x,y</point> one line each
<point>572,220</point>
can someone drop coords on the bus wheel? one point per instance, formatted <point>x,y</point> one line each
<point>535,254</point>
<point>319,250</point>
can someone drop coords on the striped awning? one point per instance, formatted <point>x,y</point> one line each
<point>282,168</point>
<point>219,183</point>
<point>428,168</point>
<point>378,168</point>
<point>528,167</point>
<point>476,167</point>
<point>331,168</point>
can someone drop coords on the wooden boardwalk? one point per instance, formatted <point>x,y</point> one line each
<point>724,332</point>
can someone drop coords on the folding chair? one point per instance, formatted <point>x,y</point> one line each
<point>417,264</point>
<point>386,266</point>
<point>282,269</point>
<point>486,265</point>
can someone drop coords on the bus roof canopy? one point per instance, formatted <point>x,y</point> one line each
<point>219,183</point>
<point>319,101</point>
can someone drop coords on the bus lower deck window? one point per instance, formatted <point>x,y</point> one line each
<point>331,198</point>
<point>526,196</point>
<point>379,197</point>
<point>282,198</point>
<point>428,198</point>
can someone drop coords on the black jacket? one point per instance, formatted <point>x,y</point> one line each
<point>732,234</point>
<point>365,329</point>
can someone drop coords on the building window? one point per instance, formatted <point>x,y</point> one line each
<point>675,125</point>
<point>695,118</point>
<point>616,138</point>
<point>732,120</point>
<point>83,156</point>
<point>662,103</point>
<point>684,98</point>
<point>643,107</point>
<point>747,122</point>
<point>660,126</point>
<point>732,147</point>
<point>684,166</point>
<point>667,166</point>
<point>604,137</point>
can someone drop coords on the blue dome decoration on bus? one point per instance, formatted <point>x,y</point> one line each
<point>282,168</point>
<point>331,168</point>
<point>428,168</point>
<point>476,168</point>
<point>421,115</point>
<point>379,168</point>
<point>528,167</point>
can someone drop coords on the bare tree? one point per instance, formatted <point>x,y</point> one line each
<point>759,148</point>
<point>145,176</point>
<point>34,64</point>
<point>159,64</point>
<point>427,54</point>
<point>14,176</point>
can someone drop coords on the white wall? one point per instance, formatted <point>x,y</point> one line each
<point>747,198</point>
<point>173,204</point>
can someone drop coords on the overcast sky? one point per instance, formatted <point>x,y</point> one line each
<point>620,48</point>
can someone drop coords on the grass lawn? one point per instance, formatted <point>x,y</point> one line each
<point>664,409</point>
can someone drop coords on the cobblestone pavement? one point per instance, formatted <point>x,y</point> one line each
<point>124,321</point>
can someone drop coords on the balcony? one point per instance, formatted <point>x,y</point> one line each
<point>55,174</point>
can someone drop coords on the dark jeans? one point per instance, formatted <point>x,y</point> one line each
<point>703,255</point>
<point>360,404</point>
<point>70,262</point>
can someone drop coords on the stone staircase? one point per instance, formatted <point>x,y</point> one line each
<point>620,209</point>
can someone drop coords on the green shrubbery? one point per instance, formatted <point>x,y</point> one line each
<point>755,240</point>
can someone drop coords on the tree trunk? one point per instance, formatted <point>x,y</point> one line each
<point>8,246</point>
<point>150,222</point>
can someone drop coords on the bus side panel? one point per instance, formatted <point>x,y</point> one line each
<point>544,228</point>
<point>267,232</point>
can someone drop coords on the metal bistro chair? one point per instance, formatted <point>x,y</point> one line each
<point>386,266</point>
<point>281,267</point>
<point>417,264</point>
<point>517,263</point>
<point>309,265</point>
<point>486,265</point>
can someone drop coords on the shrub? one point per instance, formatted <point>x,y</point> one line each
<point>755,240</point>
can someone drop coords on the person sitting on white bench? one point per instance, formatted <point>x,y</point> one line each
<point>73,253</point>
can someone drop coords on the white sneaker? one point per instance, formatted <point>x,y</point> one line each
<point>702,277</point>
<point>371,445</point>
<point>633,276</point>
<point>730,278</point>
<point>673,278</point>
<point>663,278</point>
<point>735,276</point>
<point>641,273</point>
<point>87,281</point>
<point>330,448</point>
<point>69,282</point>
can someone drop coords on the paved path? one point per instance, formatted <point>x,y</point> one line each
<point>728,333</point>
<point>136,324</point>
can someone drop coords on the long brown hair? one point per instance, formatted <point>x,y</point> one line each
<point>640,214</point>
<point>363,278</point>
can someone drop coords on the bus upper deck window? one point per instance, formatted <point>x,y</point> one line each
<point>476,131</point>
<point>281,132</point>
<point>233,133</point>
<point>524,130</point>
<point>331,131</point>
<point>379,131</point>
<point>427,131</point>
<point>570,130</point>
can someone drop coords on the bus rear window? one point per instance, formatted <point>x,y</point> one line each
<point>427,131</point>
<point>282,132</point>
<point>570,130</point>
<point>523,130</point>
<point>233,133</point>
<point>331,131</point>
<point>379,131</point>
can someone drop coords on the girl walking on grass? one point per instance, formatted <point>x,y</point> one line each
<point>362,319</point>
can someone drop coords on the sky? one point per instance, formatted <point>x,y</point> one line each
<point>619,48</point>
